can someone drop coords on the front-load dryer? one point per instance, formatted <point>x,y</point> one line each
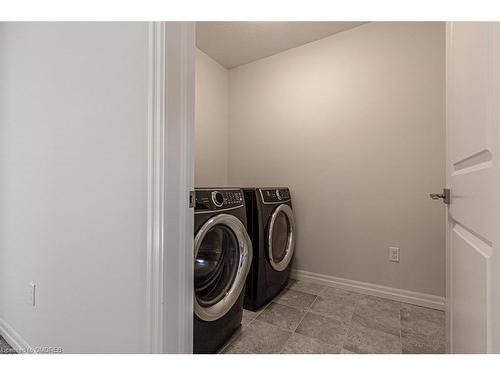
<point>222,259</point>
<point>271,226</point>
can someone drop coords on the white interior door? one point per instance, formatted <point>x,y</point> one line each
<point>473,114</point>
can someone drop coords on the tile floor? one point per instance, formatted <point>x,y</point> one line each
<point>5,348</point>
<point>314,319</point>
<point>311,318</point>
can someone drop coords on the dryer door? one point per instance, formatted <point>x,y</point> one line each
<point>281,237</point>
<point>222,259</point>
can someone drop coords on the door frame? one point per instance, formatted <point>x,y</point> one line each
<point>448,270</point>
<point>169,274</point>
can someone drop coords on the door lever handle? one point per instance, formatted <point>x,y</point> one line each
<point>445,196</point>
<point>437,196</point>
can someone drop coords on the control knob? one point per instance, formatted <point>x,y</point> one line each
<point>217,198</point>
<point>278,194</point>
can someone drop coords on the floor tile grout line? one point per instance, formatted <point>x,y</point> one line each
<point>303,317</point>
<point>329,317</point>
<point>401,306</point>
<point>288,287</point>
<point>235,337</point>
<point>283,329</point>
<point>349,326</point>
<point>282,304</point>
<point>256,316</point>
<point>323,315</point>
<point>306,311</point>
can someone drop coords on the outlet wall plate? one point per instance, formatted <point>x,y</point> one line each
<point>394,254</point>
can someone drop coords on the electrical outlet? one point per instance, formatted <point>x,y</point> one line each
<point>394,254</point>
<point>32,293</point>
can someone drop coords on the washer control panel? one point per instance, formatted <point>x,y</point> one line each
<point>218,199</point>
<point>275,195</point>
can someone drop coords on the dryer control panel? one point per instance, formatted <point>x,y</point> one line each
<point>218,199</point>
<point>274,195</point>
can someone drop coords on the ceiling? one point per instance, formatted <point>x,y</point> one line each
<point>236,43</point>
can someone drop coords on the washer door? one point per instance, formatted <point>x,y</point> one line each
<point>281,237</point>
<point>222,259</point>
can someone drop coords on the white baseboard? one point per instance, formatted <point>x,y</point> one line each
<point>401,295</point>
<point>14,339</point>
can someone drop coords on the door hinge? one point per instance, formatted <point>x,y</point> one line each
<point>445,196</point>
<point>192,198</point>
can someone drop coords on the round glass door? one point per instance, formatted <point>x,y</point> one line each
<point>215,265</point>
<point>281,237</point>
<point>222,259</point>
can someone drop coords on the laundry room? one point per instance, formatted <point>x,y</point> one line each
<point>319,144</point>
<point>233,187</point>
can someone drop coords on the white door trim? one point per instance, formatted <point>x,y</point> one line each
<point>169,311</point>
<point>449,295</point>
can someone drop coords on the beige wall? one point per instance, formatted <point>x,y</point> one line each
<point>354,124</point>
<point>211,127</point>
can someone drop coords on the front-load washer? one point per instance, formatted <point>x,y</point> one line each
<point>271,226</point>
<point>222,259</point>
